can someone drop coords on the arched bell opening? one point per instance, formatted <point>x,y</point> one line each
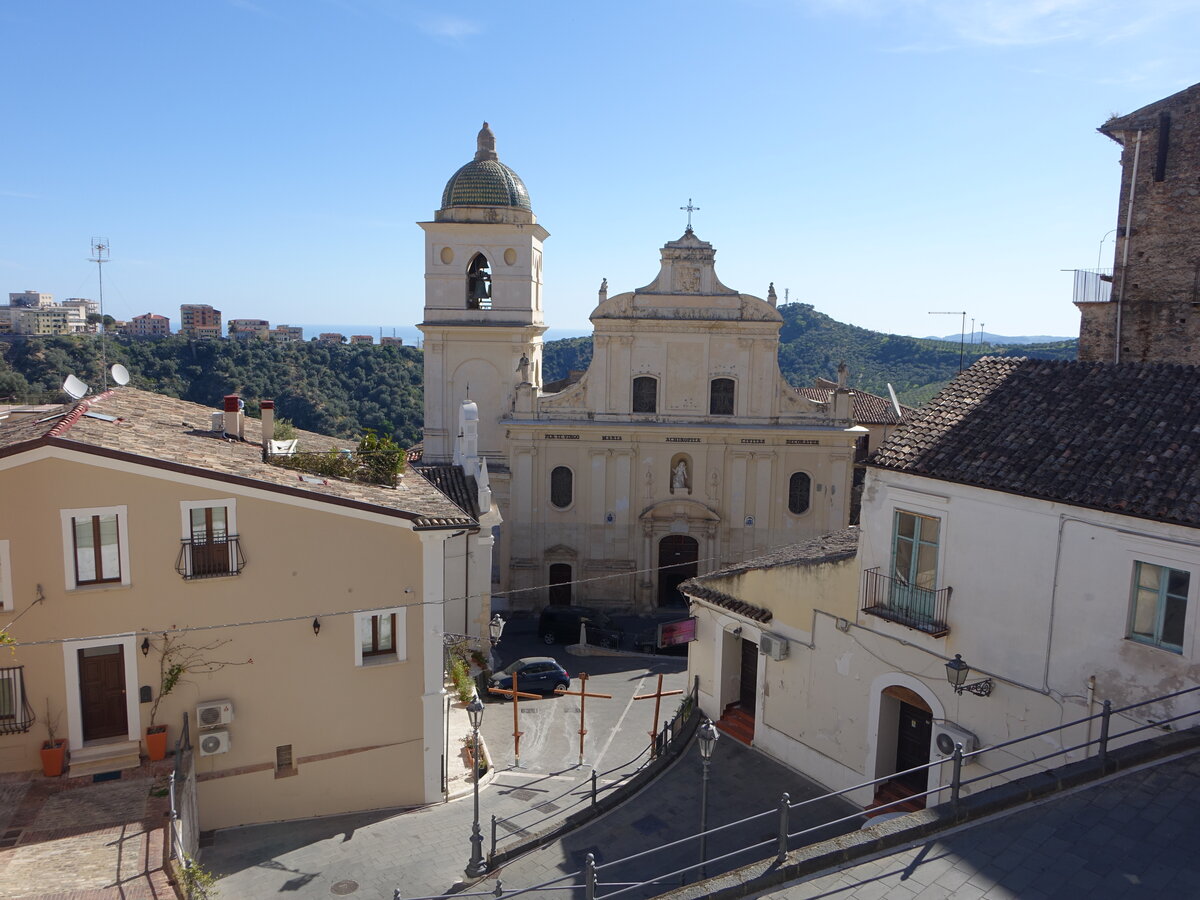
<point>479,283</point>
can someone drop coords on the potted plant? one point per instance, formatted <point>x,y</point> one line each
<point>177,659</point>
<point>54,750</point>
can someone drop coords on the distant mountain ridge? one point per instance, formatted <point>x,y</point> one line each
<point>1006,340</point>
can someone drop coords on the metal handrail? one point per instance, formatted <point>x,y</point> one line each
<point>232,564</point>
<point>782,843</point>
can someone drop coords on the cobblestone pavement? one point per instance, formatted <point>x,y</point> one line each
<point>1133,836</point>
<point>71,838</point>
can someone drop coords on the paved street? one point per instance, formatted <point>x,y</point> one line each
<point>424,851</point>
<point>1132,837</point>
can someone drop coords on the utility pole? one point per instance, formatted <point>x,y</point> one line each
<point>100,257</point>
<point>962,338</point>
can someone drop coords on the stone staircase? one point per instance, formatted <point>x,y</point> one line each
<point>737,723</point>
<point>98,758</point>
<point>890,792</point>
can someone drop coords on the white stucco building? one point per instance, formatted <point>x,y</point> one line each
<point>1040,519</point>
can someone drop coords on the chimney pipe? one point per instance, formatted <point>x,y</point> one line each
<point>268,424</point>
<point>233,416</point>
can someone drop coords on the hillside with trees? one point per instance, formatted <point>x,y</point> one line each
<point>345,389</point>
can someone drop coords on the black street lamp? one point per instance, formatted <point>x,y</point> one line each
<point>476,866</point>
<point>957,672</point>
<point>708,734</point>
<point>495,629</point>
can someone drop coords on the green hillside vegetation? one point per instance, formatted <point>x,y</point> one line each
<point>343,390</point>
<point>812,344</point>
<point>339,390</point>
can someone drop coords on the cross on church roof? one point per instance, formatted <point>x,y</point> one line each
<point>689,209</point>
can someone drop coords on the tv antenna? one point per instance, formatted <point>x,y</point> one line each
<point>962,338</point>
<point>895,402</point>
<point>99,256</point>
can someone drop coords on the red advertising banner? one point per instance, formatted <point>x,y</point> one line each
<point>671,634</point>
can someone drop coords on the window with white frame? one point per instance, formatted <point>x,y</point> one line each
<point>1158,607</point>
<point>380,636</point>
<point>95,546</point>
<point>210,539</point>
<point>6,594</point>
<point>913,592</point>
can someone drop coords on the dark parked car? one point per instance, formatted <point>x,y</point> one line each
<point>534,674</point>
<point>560,625</point>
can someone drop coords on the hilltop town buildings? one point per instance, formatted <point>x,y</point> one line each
<point>199,321</point>
<point>679,450</point>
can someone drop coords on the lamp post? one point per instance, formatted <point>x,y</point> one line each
<point>957,672</point>
<point>476,866</point>
<point>495,629</point>
<point>708,740</point>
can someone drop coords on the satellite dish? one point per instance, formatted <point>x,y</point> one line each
<point>895,402</point>
<point>120,374</point>
<point>75,388</point>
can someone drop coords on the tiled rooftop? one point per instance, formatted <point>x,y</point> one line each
<point>834,546</point>
<point>1124,437</point>
<point>162,431</point>
<point>867,409</point>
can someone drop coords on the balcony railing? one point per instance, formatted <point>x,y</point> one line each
<point>210,559</point>
<point>897,600</point>
<point>15,713</point>
<point>1092,285</point>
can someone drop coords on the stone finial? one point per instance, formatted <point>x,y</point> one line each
<point>843,376</point>
<point>603,289</point>
<point>772,298</point>
<point>485,143</point>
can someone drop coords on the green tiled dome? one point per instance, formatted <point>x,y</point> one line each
<point>485,182</point>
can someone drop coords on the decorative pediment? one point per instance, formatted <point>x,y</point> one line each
<point>669,510</point>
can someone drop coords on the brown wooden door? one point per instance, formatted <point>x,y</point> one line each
<point>912,745</point>
<point>749,681</point>
<point>102,692</point>
<point>677,557</point>
<point>560,584</point>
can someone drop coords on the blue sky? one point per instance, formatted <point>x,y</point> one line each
<point>878,158</point>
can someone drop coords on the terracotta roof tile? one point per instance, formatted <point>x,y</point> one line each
<point>162,431</point>
<point>1118,437</point>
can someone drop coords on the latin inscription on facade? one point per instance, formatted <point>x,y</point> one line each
<point>754,440</point>
<point>561,437</point>
<point>807,443</point>
<point>678,440</point>
<point>611,437</point>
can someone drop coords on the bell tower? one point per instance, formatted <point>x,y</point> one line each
<point>483,320</point>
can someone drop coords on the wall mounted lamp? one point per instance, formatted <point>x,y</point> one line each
<point>146,646</point>
<point>957,672</point>
<point>316,626</point>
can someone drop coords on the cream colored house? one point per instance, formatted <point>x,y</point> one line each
<point>680,450</point>
<point>133,515</point>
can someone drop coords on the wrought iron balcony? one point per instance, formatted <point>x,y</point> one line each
<point>15,713</point>
<point>1092,285</point>
<point>210,559</point>
<point>897,600</point>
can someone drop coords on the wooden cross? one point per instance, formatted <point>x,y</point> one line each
<point>514,694</point>
<point>582,694</point>
<point>657,695</point>
<point>689,209</point>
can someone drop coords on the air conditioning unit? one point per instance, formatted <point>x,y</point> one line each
<point>214,742</point>
<point>946,735</point>
<point>214,712</point>
<point>773,645</point>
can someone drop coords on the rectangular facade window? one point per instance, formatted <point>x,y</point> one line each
<point>1158,607</point>
<point>10,695</point>
<point>914,563</point>
<point>210,539</point>
<point>95,546</point>
<point>380,637</point>
<point>97,549</point>
<point>645,394</point>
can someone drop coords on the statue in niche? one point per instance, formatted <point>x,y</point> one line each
<point>679,476</point>
<point>649,484</point>
<point>523,368</point>
<point>714,485</point>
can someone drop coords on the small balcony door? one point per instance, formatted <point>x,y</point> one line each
<point>210,540</point>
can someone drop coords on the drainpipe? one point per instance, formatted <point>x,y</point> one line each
<point>1137,155</point>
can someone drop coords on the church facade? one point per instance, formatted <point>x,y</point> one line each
<point>679,451</point>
